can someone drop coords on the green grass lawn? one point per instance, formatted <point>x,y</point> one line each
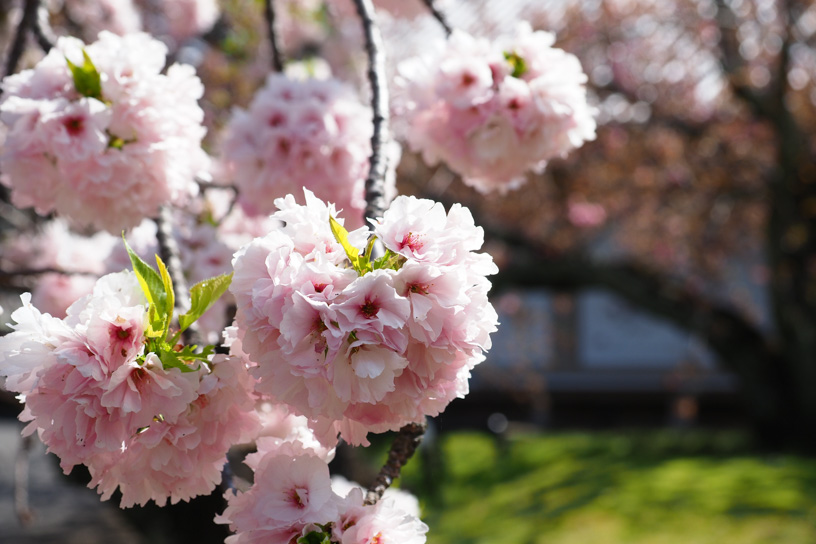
<point>634,488</point>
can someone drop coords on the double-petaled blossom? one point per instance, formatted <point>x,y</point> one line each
<point>313,133</point>
<point>96,396</point>
<point>493,111</point>
<point>105,133</point>
<point>293,496</point>
<point>365,347</point>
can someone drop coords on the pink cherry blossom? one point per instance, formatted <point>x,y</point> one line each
<point>313,133</point>
<point>364,351</point>
<point>176,21</point>
<point>293,495</point>
<point>493,111</point>
<point>105,161</point>
<point>153,431</point>
<point>117,16</point>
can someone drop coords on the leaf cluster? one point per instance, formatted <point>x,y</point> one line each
<point>362,263</point>
<point>157,287</point>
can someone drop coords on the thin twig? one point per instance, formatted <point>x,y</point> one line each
<point>439,16</point>
<point>28,21</point>
<point>277,56</point>
<point>45,270</point>
<point>378,165</point>
<point>404,446</point>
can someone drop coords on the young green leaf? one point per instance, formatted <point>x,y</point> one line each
<point>153,288</point>
<point>86,77</point>
<point>314,537</point>
<point>360,264</point>
<point>517,63</point>
<point>171,359</point>
<point>168,289</point>
<point>204,294</point>
<point>389,261</point>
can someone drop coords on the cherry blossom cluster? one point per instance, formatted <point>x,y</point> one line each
<point>367,345</point>
<point>173,22</point>
<point>312,133</point>
<point>294,498</point>
<point>106,135</point>
<point>493,111</point>
<point>103,388</point>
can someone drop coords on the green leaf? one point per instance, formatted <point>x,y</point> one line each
<point>86,77</point>
<point>153,288</point>
<point>170,300</point>
<point>517,63</point>
<point>188,353</point>
<point>204,294</point>
<point>314,537</point>
<point>171,359</point>
<point>390,261</point>
<point>360,264</point>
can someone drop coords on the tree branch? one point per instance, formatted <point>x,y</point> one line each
<point>378,164</point>
<point>741,347</point>
<point>171,255</point>
<point>439,16</point>
<point>42,30</point>
<point>277,56</point>
<point>28,21</point>
<point>732,62</point>
<point>403,447</point>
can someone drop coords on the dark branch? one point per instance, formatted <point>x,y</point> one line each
<point>375,182</point>
<point>740,345</point>
<point>439,16</point>
<point>171,255</point>
<point>277,56</point>
<point>732,62</point>
<point>40,271</point>
<point>42,30</point>
<point>28,21</point>
<point>404,446</point>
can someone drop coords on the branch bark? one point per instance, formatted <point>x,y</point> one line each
<point>402,449</point>
<point>277,56</point>
<point>439,16</point>
<point>378,164</point>
<point>28,22</point>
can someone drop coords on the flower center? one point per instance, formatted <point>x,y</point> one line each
<point>369,309</point>
<point>412,241</point>
<point>74,125</point>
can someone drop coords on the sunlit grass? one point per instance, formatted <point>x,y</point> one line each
<point>635,488</point>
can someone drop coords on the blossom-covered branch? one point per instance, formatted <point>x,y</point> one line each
<point>277,56</point>
<point>375,182</point>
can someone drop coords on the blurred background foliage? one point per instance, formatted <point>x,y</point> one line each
<point>630,487</point>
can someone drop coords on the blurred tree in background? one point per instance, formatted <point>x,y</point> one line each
<point>704,157</point>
